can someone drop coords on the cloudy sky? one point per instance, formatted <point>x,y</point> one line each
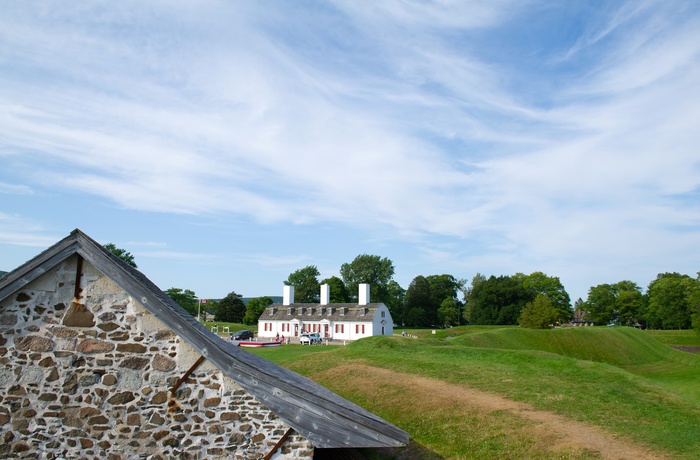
<point>227,144</point>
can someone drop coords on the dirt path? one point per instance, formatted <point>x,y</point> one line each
<point>687,348</point>
<point>568,434</point>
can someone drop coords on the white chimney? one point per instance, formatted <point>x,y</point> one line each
<point>325,294</point>
<point>288,297</point>
<point>363,295</point>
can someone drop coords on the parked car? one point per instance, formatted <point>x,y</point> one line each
<point>243,335</point>
<point>309,339</point>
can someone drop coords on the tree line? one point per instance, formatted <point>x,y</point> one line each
<point>671,301</point>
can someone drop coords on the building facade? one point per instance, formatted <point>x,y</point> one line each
<point>338,321</point>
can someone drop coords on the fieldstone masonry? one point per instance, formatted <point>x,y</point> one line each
<point>91,377</point>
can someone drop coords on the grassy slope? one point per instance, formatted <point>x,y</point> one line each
<point>627,348</point>
<point>673,337</point>
<point>620,379</point>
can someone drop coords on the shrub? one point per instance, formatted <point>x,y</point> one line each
<point>538,314</point>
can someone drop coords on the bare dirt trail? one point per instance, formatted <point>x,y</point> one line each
<point>556,432</point>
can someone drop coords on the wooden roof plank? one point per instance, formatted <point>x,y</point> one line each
<point>33,269</point>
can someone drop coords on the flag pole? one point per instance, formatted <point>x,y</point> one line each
<point>199,308</point>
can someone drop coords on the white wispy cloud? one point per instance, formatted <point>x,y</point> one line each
<point>15,189</point>
<point>18,230</point>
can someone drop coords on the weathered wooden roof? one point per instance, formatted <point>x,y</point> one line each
<point>321,416</point>
<point>316,312</point>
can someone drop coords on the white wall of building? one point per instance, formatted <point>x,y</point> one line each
<point>380,324</point>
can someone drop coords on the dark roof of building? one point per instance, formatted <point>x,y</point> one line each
<point>321,416</point>
<point>316,312</point>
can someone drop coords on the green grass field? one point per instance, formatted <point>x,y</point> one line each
<point>232,327</point>
<point>690,338</point>
<point>622,381</point>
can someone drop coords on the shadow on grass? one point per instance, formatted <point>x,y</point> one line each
<point>413,451</point>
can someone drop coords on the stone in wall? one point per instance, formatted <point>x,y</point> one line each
<point>78,315</point>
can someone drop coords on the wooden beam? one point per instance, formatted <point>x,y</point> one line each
<point>78,275</point>
<point>187,374</point>
<point>279,443</point>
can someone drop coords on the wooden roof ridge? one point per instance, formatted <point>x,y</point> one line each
<point>321,416</point>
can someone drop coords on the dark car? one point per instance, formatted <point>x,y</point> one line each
<point>243,335</point>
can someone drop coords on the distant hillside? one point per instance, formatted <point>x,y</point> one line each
<point>620,346</point>
<point>2,273</point>
<point>275,299</point>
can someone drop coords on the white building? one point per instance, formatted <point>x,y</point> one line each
<point>337,321</point>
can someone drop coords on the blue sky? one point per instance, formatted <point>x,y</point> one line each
<point>228,144</point>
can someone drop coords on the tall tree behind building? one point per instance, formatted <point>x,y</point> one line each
<point>366,268</point>
<point>306,285</point>
<point>122,254</point>
<point>231,309</point>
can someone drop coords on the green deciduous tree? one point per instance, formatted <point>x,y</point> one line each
<point>442,287</point>
<point>695,305</point>
<point>415,316</point>
<point>306,285</point>
<point>338,292</point>
<point>417,302</point>
<point>121,253</point>
<point>539,283</point>
<point>621,302</point>
<point>539,314</point>
<point>429,294</point>
<point>467,290</point>
<point>231,309</point>
<point>210,306</point>
<point>600,304</point>
<point>629,304</point>
<point>255,308</point>
<point>696,321</point>
<point>498,300</point>
<point>394,301</point>
<point>187,299</point>
<point>671,297</point>
<point>448,313</point>
<point>374,270</point>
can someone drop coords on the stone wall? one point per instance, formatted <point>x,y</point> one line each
<point>91,380</point>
